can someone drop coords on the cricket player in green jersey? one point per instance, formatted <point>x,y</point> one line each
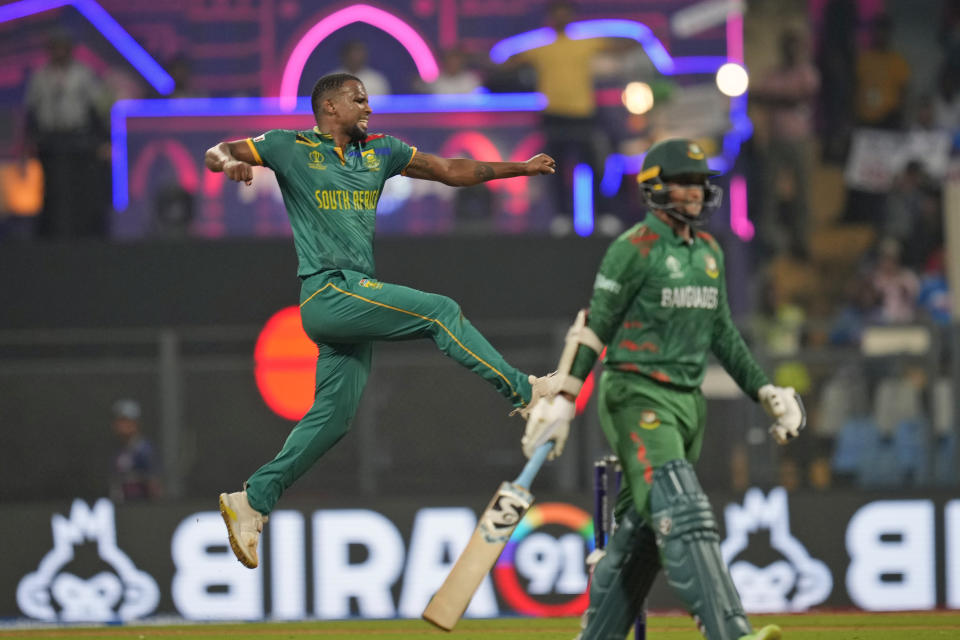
<point>659,307</point>
<point>331,178</point>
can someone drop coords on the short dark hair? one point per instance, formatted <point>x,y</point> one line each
<point>328,84</point>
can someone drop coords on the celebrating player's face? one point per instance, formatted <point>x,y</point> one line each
<point>353,109</point>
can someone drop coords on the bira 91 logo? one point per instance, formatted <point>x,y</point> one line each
<point>790,579</point>
<point>103,586</point>
<point>541,571</point>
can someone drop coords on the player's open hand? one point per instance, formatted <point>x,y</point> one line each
<point>540,164</point>
<point>238,170</point>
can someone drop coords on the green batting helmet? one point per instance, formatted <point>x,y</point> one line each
<point>673,158</point>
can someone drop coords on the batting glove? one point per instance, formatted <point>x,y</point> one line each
<point>549,420</point>
<point>783,404</point>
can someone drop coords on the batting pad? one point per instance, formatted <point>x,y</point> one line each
<point>621,580</point>
<point>689,542</point>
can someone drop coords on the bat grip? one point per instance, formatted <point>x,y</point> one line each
<point>530,470</point>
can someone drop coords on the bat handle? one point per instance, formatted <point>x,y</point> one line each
<point>530,470</point>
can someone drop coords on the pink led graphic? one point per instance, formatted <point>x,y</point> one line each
<point>447,18</point>
<point>176,154</point>
<point>480,146</point>
<point>739,222</point>
<point>477,145</point>
<point>735,37</point>
<point>519,203</point>
<point>405,34</point>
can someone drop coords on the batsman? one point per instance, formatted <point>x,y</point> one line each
<point>659,307</point>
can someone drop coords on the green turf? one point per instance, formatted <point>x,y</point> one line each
<point>812,626</point>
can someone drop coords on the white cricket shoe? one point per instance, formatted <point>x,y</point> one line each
<point>244,525</point>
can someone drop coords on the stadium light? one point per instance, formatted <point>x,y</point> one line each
<point>637,97</point>
<point>732,80</point>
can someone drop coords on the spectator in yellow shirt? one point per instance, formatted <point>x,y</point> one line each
<point>882,79</point>
<point>565,77</point>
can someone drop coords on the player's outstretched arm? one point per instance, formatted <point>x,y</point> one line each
<point>235,159</point>
<point>464,172</point>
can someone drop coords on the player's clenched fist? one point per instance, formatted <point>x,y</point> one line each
<point>549,421</point>
<point>783,404</point>
<point>238,170</point>
<point>540,164</point>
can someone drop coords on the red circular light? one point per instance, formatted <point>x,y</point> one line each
<point>285,364</point>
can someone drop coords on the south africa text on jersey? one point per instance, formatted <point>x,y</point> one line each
<point>341,199</point>
<point>689,297</point>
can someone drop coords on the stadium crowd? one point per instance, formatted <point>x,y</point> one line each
<point>851,247</point>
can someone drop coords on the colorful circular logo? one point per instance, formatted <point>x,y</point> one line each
<point>556,561</point>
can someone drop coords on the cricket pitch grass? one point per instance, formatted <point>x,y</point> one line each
<point>808,626</point>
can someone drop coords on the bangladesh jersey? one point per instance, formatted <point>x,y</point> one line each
<point>330,193</point>
<point>660,306</point>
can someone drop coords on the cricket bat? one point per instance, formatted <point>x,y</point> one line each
<point>496,525</point>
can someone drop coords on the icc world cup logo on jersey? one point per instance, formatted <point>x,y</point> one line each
<point>316,160</point>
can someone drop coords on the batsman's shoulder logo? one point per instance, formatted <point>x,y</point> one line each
<point>789,578</point>
<point>56,592</point>
<point>711,265</point>
<point>316,161</point>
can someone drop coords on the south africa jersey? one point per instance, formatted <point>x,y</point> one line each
<point>660,305</point>
<point>331,193</point>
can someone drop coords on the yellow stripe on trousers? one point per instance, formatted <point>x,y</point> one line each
<point>422,317</point>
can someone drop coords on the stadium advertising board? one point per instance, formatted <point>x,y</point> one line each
<point>94,561</point>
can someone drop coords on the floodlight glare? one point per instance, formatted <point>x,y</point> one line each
<point>637,97</point>
<point>732,80</point>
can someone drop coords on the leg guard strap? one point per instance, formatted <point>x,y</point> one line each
<point>689,542</point>
<point>621,580</point>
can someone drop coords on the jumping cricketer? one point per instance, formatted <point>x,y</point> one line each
<point>659,306</point>
<point>331,178</point>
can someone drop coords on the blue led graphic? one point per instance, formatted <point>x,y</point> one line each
<point>583,199</point>
<point>221,107</point>
<point>585,29</point>
<point>106,25</point>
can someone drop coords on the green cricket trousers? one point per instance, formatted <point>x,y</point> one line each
<point>647,425</point>
<point>344,312</point>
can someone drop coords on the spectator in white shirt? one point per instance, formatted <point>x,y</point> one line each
<point>455,76</point>
<point>66,129</point>
<point>353,60</point>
